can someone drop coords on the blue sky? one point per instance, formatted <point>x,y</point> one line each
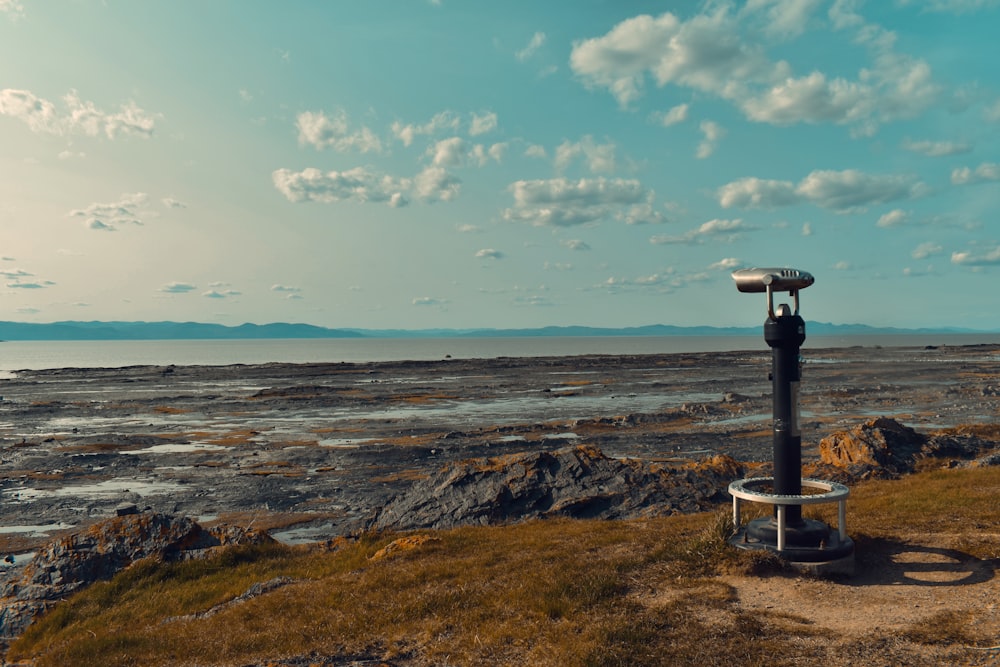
<point>463,163</point>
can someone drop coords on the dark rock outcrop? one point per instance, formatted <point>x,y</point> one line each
<point>104,549</point>
<point>576,482</point>
<point>882,447</point>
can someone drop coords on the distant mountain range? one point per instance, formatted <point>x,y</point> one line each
<point>202,331</point>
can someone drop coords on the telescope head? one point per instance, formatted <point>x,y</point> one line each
<point>777,280</point>
<point>773,280</point>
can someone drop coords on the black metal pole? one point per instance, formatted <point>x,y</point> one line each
<point>785,335</point>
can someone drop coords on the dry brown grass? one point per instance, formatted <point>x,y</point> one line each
<point>575,593</point>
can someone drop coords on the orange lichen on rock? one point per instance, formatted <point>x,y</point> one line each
<point>407,543</point>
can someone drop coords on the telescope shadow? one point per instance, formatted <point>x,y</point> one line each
<point>882,561</point>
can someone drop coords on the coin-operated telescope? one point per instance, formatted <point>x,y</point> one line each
<point>806,543</point>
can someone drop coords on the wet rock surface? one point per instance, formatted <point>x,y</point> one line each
<point>331,444</point>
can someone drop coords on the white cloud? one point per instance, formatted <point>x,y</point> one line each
<point>755,192</point>
<point>726,230</point>
<point>893,218</point>
<point>712,133</point>
<point>575,244</point>
<point>467,229</point>
<point>990,257</point>
<point>321,131</point>
<point>12,7</point>
<point>672,116</point>
<point>489,253</point>
<point>711,53</point>
<point>599,157</point>
<point>429,301</point>
<point>445,120</point>
<point>727,264</point>
<point>482,124</point>
<point>436,184</point>
<point>783,18</point>
<point>985,173</point>
<point>287,289</point>
<point>177,288</point>
<point>842,265</point>
<point>170,202</point>
<point>925,250</point>
<point>535,150</point>
<point>841,191</point>
<point>936,148</point>
<point>951,6</point>
<point>807,229</point>
<point>498,150</point>
<point>641,214</point>
<point>537,40</point>
<point>79,117</point>
<point>449,152</point>
<point>356,184</point>
<point>110,216</point>
<point>992,112</point>
<point>561,202</point>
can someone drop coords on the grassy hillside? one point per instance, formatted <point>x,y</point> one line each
<point>654,592</point>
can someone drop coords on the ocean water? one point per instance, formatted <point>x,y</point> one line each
<point>18,355</point>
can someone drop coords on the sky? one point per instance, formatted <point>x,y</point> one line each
<point>465,164</point>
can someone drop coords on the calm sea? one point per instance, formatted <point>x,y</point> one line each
<point>17,355</point>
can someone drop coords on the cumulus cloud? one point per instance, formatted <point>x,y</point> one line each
<point>536,42</point>
<point>110,216</point>
<point>536,151</point>
<point>841,191</point>
<point>985,173</point>
<point>575,244</point>
<point>989,258</point>
<point>711,53</point>
<point>672,116</point>
<point>78,117</point>
<point>481,124</point>
<point>925,250</point>
<point>322,131</point>
<point>782,18</point>
<point>726,264</point>
<point>445,120</point>
<point>936,148</point>
<point>178,288</point>
<point>562,202</point>
<point>893,218</point>
<point>712,133</point>
<point>12,7</point>
<point>489,253</point>
<point>356,184</point>
<point>598,157</point>
<point>726,230</point>
<point>436,184</point>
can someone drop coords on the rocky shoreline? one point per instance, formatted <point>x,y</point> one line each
<point>226,455</point>
<point>332,443</point>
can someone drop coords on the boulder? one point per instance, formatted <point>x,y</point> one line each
<point>883,447</point>
<point>880,444</point>
<point>576,482</point>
